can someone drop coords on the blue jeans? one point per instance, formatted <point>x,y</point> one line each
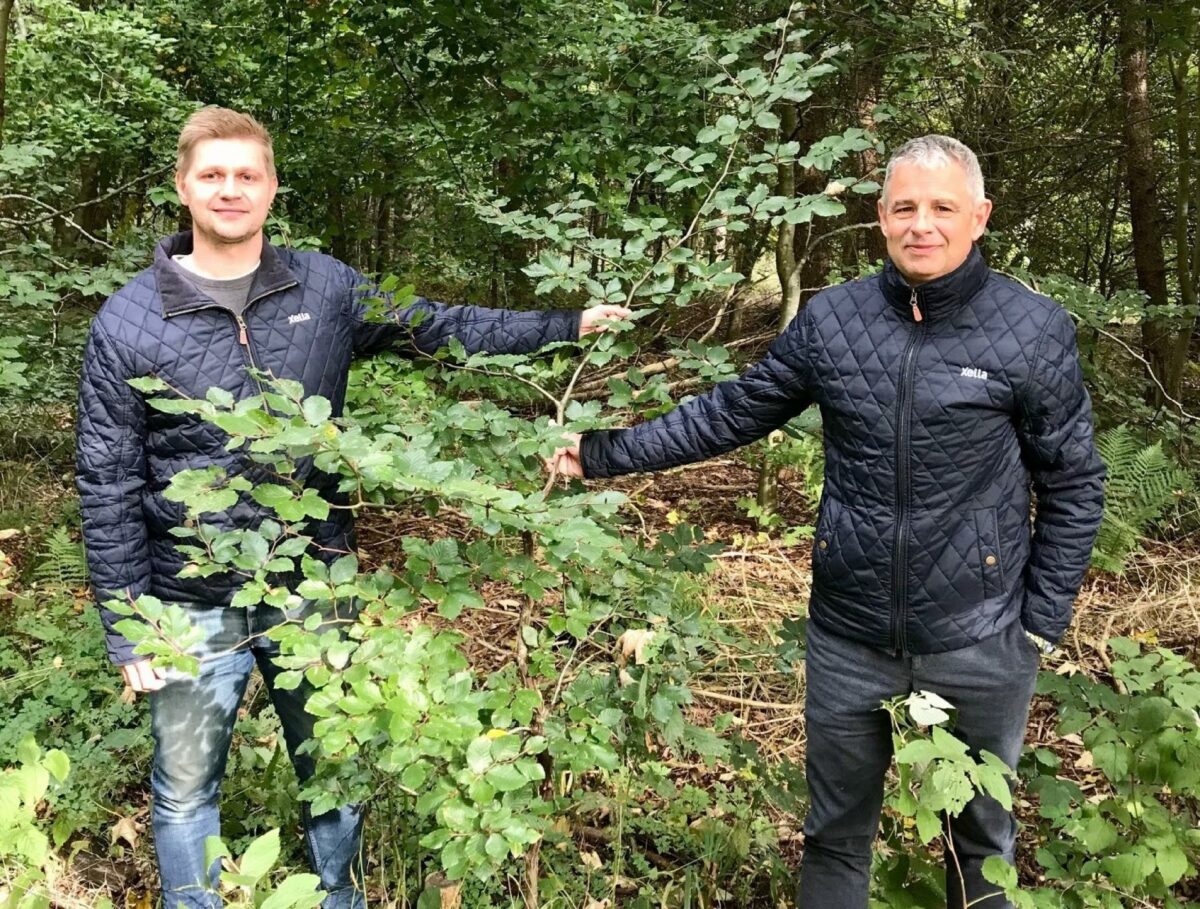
<point>192,722</point>
<point>850,747</point>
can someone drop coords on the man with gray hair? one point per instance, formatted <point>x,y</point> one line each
<point>948,395</point>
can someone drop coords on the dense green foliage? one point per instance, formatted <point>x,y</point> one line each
<point>710,164</point>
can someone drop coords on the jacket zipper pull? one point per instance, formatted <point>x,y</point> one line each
<point>242,337</point>
<point>917,317</point>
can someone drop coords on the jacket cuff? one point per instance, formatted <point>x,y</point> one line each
<point>1048,620</point>
<point>594,448</point>
<point>120,648</point>
<point>564,325</point>
<point>587,457</point>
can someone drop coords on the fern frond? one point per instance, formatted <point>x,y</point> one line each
<point>1142,483</point>
<point>62,563</point>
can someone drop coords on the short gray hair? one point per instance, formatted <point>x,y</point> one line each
<point>937,151</point>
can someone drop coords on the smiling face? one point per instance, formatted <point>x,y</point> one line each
<point>930,219</point>
<point>228,187</point>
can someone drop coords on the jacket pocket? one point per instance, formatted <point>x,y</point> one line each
<point>991,558</point>
<point>823,536</point>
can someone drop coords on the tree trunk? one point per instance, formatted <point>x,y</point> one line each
<point>785,241</point>
<point>1187,194</point>
<point>868,77</point>
<point>383,229</point>
<point>5,14</point>
<point>1160,337</point>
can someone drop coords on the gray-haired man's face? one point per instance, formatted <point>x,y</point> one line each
<point>930,219</point>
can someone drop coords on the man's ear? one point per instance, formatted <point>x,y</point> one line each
<point>880,211</point>
<point>983,211</point>
<point>179,188</point>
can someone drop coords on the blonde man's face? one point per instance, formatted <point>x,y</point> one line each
<point>228,188</point>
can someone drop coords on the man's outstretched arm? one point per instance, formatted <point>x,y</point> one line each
<point>426,327</point>
<point>1055,428</point>
<point>732,414</point>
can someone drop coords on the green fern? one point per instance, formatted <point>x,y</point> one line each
<point>1142,482</point>
<point>62,564</point>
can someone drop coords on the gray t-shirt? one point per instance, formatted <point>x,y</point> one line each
<point>230,293</point>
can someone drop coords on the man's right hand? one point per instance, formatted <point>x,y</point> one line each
<point>141,677</point>
<point>566,461</point>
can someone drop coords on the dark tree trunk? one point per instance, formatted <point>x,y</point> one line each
<point>1160,337</point>
<point>868,78</point>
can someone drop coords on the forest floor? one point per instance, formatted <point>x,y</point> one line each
<point>758,586</point>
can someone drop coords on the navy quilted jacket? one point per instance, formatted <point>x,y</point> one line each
<point>305,321</point>
<point>935,432</point>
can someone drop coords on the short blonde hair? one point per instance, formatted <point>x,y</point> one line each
<point>214,122</point>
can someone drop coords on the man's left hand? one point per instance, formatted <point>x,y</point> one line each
<point>598,318</point>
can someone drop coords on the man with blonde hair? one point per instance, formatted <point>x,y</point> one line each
<point>218,302</point>
<point>947,393</point>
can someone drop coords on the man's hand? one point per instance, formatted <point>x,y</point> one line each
<point>566,461</point>
<point>594,318</point>
<point>141,677</point>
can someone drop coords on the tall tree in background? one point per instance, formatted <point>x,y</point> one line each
<point>6,7</point>
<point>1164,340</point>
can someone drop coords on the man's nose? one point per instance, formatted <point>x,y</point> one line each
<point>229,186</point>
<point>922,220</point>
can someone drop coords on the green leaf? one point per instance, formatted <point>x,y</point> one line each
<point>929,825</point>
<point>219,396</point>
<point>918,751</point>
<point>298,891</point>
<point>214,850</point>
<point>260,856</point>
<point>506,778</point>
<point>496,848</point>
<point>28,751</point>
<point>57,763</point>
<point>1131,868</point>
<point>1172,864</point>
<point>999,872</point>
<point>316,410</point>
<point>344,570</point>
<point>149,384</point>
<point>767,120</point>
<point>479,754</point>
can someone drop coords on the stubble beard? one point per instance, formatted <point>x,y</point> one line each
<point>215,238</point>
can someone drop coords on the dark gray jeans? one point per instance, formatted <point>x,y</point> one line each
<point>850,748</point>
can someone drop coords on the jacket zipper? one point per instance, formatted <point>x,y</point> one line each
<point>908,363</point>
<point>242,328</point>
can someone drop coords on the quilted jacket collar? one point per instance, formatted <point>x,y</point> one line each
<point>940,297</point>
<point>178,294</point>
